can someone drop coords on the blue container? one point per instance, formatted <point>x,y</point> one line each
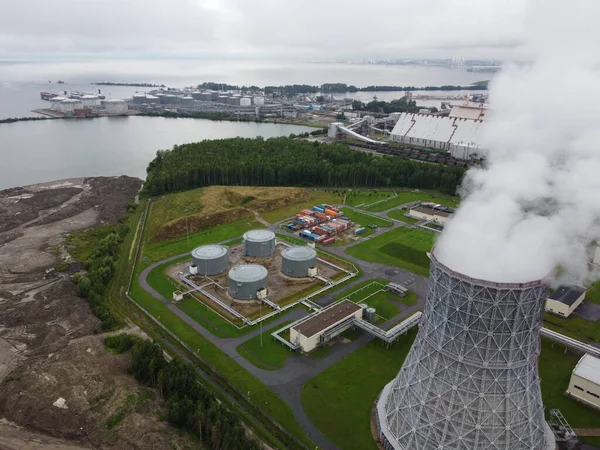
<point>318,209</point>
<point>359,230</point>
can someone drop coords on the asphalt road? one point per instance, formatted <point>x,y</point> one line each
<point>298,369</point>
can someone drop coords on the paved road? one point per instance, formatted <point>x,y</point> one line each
<point>298,369</point>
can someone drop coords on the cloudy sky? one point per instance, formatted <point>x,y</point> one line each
<point>306,29</point>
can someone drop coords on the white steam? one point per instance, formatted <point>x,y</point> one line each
<point>537,204</point>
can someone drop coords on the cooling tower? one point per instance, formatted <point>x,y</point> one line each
<point>470,380</point>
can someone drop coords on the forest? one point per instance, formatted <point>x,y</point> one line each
<point>189,404</point>
<point>289,162</point>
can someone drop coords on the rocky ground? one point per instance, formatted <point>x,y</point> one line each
<point>59,387</point>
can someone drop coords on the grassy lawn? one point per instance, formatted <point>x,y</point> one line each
<point>271,356</point>
<point>160,250</point>
<point>401,247</point>
<point>381,302</point>
<point>317,197</point>
<point>593,293</point>
<point>339,400</point>
<point>342,413</point>
<point>365,219</point>
<point>406,197</point>
<point>555,372</point>
<point>398,214</point>
<point>573,326</point>
<point>356,198</point>
<point>174,206</point>
<point>260,394</point>
<point>361,290</point>
<point>81,243</point>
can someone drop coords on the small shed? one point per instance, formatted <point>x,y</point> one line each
<point>564,300</point>
<point>585,381</point>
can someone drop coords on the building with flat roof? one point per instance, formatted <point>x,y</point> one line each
<point>564,300</point>
<point>320,327</point>
<point>430,212</point>
<point>585,381</point>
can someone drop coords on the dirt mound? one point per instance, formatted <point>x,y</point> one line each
<point>85,394</point>
<point>222,204</point>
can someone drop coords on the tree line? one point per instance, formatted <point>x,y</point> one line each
<point>189,404</point>
<point>403,104</point>
<point>100,268</point>
<point>289,162</point>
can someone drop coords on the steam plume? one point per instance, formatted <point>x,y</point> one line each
<point>536,206</point>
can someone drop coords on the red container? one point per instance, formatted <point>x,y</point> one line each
<point>320,231</point>
<point>328,241</point>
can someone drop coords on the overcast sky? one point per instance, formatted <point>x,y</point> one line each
<point>295,29</point>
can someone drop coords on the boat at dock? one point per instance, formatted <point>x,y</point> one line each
<point>49,96</point>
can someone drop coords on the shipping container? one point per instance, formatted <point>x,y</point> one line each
<point>359,231</point>
<point>320,231</point>
<point>307,212</point>
<point>321,238</point>
<point>328,241</point>
<point>333,208</point>
<point>330,212</point>
<point>318,209</point>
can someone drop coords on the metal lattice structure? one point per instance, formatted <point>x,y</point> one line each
<point>470,381</point>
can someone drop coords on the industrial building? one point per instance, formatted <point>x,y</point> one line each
<point>299,262</point>
<point>209,260</point>
<point>115,106</point>
<point>564,300</point>
<point>246,280</point>
<point>585,381</point>
<point>259,243</point>
<point>470,380</point>
<point>318,328</point>
<point>457,135</point>
<point>432,213</point>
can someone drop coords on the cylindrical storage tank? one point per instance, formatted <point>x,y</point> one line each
<point>370,315</point>
<point>115,106</point>
<point>295,261</point>
<point>259,101</point>
<point>210,259</point>
<point>138,99</point>
<point>196,94</point>
<point>70,104</point>
<point>245,280</point>
<point>187,100</point>
<point>259,243</point>
<point>246,101</point>
<point>206,97</point>
<point>89,101</point>
<point>223,98</point>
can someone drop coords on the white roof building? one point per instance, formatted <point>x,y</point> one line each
<point>585,381</point>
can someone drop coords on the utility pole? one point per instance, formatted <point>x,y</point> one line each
<point>260,317</point>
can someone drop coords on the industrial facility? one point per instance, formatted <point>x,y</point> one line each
<point>564,300</point>
<point>309,333</point>
<point>461,136</point>
<point>209,260</point>
<point>470,380</point>
<point>246,280</point>
<point>259,243</point>
<point>584,385</point>
<point>431,212</point>
<point>299,262</point>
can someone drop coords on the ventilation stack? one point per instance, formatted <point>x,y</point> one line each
<point>470,380</point>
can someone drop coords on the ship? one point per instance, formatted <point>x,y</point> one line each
<point>74,94</point>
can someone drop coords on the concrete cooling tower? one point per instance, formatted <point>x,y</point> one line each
<point>470,380</point>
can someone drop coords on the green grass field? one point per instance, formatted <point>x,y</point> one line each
<point>401,247</point>
<point>356,198</point>
<point>339,400</point>
<point>593,293</point>
<point>317,197</point>
<point>365,219</point>
<point>173,206</point>
<point>406,197</point>
<point>272,355</point>
<point>160,250</point>
<point>398,214</point>
<point>343,414</point>
<point>573,326</point>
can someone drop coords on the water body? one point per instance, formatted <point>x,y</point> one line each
<point>33,152</point>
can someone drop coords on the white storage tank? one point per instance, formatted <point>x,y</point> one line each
<point>246,280</point>
<point>259,243</point>
<point>115,106</point>
<point>210,259</point>
<point>297,261</point>
<point>89,101</point>
<point>259,101</point>
<point>246,101</point>
<point>70,104</point>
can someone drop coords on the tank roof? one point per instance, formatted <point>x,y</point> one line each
<point>259,235</point>
<point>299,253</point>
<point>248,273</point>
<point>209,251</point>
